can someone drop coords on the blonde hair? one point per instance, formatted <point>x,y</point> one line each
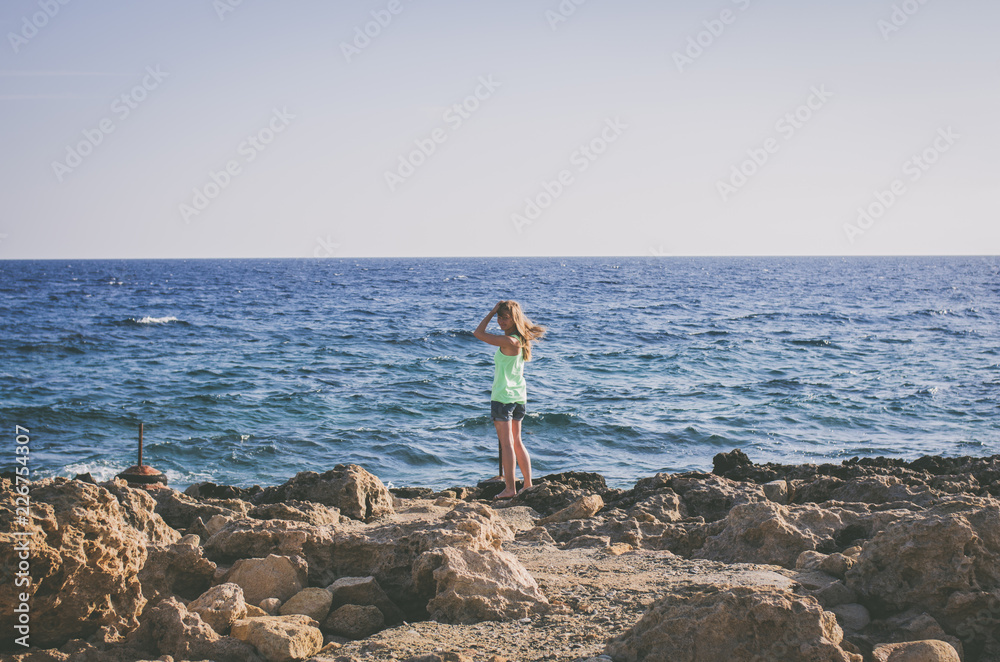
<point>523,327</point>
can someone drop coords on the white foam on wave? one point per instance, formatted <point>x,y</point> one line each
<point>156,320</point>
<point>101,470</point>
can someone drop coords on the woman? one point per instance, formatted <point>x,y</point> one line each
<point>510,395</point>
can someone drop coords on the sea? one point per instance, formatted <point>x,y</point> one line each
<point>248,371</point>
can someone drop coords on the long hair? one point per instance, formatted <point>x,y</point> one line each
<point>523,327</point>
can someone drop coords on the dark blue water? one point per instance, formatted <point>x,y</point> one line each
<point>248,371</point>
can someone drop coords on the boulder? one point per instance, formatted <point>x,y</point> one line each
<point>547,498</point>
<point>251,538</point>
<point>355,492</point>
<point>583,508</point>
<point>354,621</point>
<point>297,511</point>
<point>389,552</point>
<point>179,569</point>
<point>945,561</point>
<point>280,638</point>
<point>664,506</point>
<point>851,616</point>
<point>713,622</point>
<point>767,532</point>
<point>312,602</point>
<point>139,509</point>
<point>916,651</point>
<point>220,606</point>
<point>275,576</point>
<point>85,558</point>
<point>711,496</point>
<point>180,510</point>
<point>468,586</point>
<point>364,591</point>
<point>776,491</point>
<point>170,629</point>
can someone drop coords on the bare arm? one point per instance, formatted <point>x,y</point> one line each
<point>498,340</point>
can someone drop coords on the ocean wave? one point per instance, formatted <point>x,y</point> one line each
<point>148,319</point>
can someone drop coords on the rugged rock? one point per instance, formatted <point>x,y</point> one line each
<point>179,569</point>
<point>280,638</point>
<point>470,586</point>
<point>364,591</point>
<point>709,623</point>
<point>220,606</point>
<point>275,576</point>
<point>180,510</point>
<point>85,557</point>
<point>354,621</point>
<point>251,538</point>
<point>389,552</point>
<point>945,562</point>
<point>548,497</point>
<point>916,651</point>
<point>297,511</point>
<point>355,492</point>
<point>312,602</point>
<point>170,629</point>
<point>767,532</point>
<point>583,508</point>
<point>139,509</point>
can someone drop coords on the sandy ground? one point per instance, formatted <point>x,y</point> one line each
<point>599,592</point>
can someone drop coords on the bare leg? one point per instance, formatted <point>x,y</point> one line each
<point>521,453</point>
<point>506,438</point>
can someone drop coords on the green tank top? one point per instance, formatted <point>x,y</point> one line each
<point>508,377</point>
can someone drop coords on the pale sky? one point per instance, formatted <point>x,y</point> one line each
<point>248,128</point>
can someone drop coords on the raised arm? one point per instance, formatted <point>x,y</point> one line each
<point>498,340</point>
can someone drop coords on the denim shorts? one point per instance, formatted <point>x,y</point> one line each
<point>504,411</point>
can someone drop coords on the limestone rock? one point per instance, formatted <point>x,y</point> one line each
<point>280,638</point>
<point>388,552</point>
<point>711,623</point>
<point>139,509</point>
<point>250,538</point>
<point>354,621</point>
<point>254,610</point>
<point>776,491</point>
<point>665,506</point>
<point>711,496</point>
<point>179,569</point>
<point>767,532</point>
<point>471,586</point>
<point>581,509</point>
<point>180,510</point>
<point>546,498</point>
<point>929,650</point>
<point>357,493</point>
<point>85,559</point>
<point>297,511</point>
<point>945,562</point>
<point>270,607</point>
<point>220,606</point>
<point>364,591</point>
<point>852,617</point>
<point>170,629</point>
<point>271,577</point>
<point>312,602</point>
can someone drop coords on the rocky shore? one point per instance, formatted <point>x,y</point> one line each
<point>867,560</point>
